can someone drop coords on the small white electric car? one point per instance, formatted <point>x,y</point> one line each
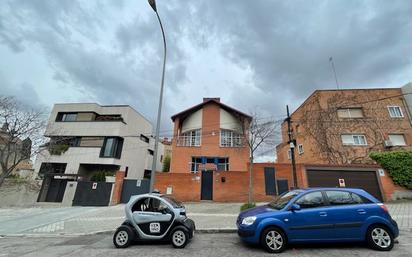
<point>154,217</point>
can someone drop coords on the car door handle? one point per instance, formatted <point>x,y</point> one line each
<point>323,214</point>
<point>361,211</point>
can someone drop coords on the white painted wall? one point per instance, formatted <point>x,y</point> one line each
<point>134,155</point>
<point>228,121</point>
<point>194,121</point>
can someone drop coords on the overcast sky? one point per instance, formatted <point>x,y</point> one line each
<point>254,55</point>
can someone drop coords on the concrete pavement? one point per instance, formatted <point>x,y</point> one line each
<point>68,221</point>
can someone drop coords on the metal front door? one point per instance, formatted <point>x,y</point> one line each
<point>207,185</point>
<point>270,182</point>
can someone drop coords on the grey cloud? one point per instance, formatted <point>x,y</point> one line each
<point>284,45</point>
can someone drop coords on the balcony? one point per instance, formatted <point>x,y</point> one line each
<point>85,128</point>
<point>189,141</point>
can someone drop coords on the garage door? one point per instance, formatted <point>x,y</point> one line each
<point>366,180</point>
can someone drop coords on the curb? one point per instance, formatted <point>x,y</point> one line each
<point>198,231</point>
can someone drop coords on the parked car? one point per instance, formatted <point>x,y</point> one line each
<point>319,215</point>
<point>154,217</point>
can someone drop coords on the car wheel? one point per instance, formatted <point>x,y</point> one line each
<point>380,238</point>
<point>273,240</point>
<point>179,237</point>
<point>123,236</point>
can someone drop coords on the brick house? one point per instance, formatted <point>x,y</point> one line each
<point>344,126</point>
<point>209,137</point>
<point>335,130</point>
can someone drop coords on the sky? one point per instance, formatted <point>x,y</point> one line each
<point>257,56</point>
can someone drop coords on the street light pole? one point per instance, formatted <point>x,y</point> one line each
<point>159,110</point>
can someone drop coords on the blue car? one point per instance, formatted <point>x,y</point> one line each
<point>319,215</point>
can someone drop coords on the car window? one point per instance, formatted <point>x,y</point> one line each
<point>284,199</point>
<point>311,200</point>
<point>339,197</point>
<point>358,199</point>
<point>156,205</point>
<point>141,205</point>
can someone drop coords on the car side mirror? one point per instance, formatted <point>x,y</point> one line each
<point>295,207</point>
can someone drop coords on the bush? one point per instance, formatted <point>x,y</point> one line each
<point>166,164</point>
<point>246,206</point>
<point>101,176</point>
<point>58,149</point>
<point>398,164</point>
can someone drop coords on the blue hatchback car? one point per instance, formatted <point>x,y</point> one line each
<point>319,215</point>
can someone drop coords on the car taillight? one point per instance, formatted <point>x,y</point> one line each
<point>383,207</point>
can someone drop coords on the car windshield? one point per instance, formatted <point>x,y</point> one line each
<point>284,199</point>
<point>175,203</point>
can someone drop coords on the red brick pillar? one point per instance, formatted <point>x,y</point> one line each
<point>118,186</point>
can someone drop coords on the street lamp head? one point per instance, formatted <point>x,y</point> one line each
<point>152,4</point>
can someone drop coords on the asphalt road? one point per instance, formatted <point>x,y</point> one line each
<point>202,245</point>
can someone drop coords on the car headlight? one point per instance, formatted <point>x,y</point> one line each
<point>248,220</point>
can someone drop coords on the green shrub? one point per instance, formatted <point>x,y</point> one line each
<point>58,149</point>
<point>246,206</point>
<point>398,164</point>
<point>100,176</point>
<point>166,164</point>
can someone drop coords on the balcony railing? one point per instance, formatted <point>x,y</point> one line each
<point>189,140</point>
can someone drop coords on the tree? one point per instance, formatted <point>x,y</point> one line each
<point>166,163</point>
<point>257,132</point>
<point>20,135</point>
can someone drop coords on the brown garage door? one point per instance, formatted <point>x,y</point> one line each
<point>366,180</point>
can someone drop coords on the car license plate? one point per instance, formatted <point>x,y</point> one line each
<point>154,227</point>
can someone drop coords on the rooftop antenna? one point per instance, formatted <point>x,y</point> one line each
<point>334,71</point>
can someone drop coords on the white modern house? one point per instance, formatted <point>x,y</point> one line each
<point>88,139</point>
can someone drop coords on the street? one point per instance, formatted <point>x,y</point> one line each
<point>222,244</point>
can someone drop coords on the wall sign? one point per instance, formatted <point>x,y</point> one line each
<point>342,182</point>
<point>138,182</point>
<point>381,172</point>
<point>94,186</point>
<point>169,190</point>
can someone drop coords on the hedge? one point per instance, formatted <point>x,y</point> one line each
<point>398,164</point>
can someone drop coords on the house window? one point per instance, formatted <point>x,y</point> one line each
<point>397,139</point>
<point>350,113</point>
<point>190,138</point>
<point>223,164</point>
<point>351,139</point>
<point>229,138</point>
<point>151,152</point>
<point>62,116</point>
<point>395,112</point>
<point>112,147</point>
<point>300,149</point>
<point>144,138</point>
<point>195,164</point>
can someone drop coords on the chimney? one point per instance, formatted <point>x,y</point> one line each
<point>205,99</point>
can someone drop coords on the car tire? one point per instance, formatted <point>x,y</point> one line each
<point>380,238</point>
<point>179,237</point>
<point>273,239</point>
<point>123,236</point>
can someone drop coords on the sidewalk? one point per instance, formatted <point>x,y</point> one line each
<point>69,221</point>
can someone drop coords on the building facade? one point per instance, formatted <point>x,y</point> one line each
<point>209,136</point>
<point>87,140</point>
<point>340,127</point>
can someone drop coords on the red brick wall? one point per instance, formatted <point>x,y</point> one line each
<point>210,145</point>
<point>187,186</point>
<point>118,187</point>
